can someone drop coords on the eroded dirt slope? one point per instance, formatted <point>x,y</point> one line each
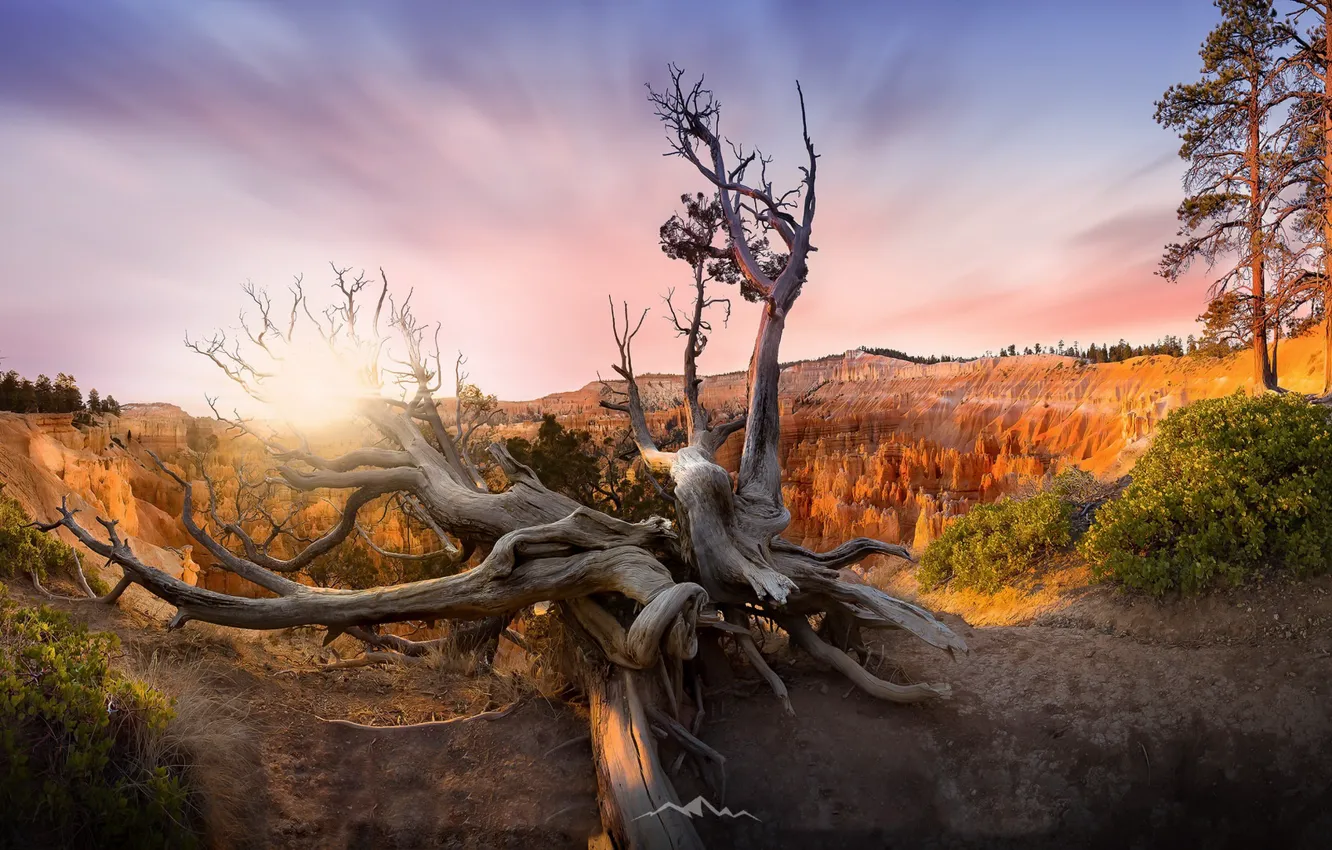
<point>1108,722</point>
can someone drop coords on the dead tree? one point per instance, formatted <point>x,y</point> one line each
<point>639,595</point>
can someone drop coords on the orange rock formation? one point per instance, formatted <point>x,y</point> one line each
<point>870,445</point>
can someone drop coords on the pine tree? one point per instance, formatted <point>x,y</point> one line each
<point>1312,120</point>
<point>66,394</point>
<point>27,397</point>
<point>94,401</point>
<point>44,394</point>
<point>1236,159</point>
<point>9,390</point>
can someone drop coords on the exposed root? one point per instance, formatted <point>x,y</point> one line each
<point>370,659</point>
<point>635,790</point>
<point>822,590</point>
<point>456,721</point>
<point>668,687</point>
<point>582,530</point>
<point>666,625</point>
<point>840,629</point>
<point>581,739</point>
<point>704,755</point>
<point>851,552</point>
<point>745,641</point>
<point>462,636</point>
<point>800,630</point>
<point>696,723</point>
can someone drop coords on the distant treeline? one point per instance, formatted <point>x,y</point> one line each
<point>20,395</point>
<point>914,358</point>
<point>1168,345</point>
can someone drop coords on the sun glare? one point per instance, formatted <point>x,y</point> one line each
<point>311,385</point>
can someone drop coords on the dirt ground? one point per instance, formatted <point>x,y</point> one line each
<point>1110,722</point>
<point>1110,726</point>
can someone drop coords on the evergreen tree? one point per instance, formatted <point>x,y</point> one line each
<point>9,390</point>
<point>1236,159</point>
<point>27,397</point>
<point>111,405</point>
<point>1312,121</point>
<point>595,474</point>
<point>43,395</point>
<point>94,401</point>
<point>67,397</point>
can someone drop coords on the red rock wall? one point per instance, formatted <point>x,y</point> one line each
<point>884,448</point>
<point>870,446</point>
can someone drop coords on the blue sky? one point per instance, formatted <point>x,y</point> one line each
<point>991,173</point>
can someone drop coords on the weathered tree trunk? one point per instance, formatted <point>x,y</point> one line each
<point>1262,368</point>
<point>1327,337</point>
<point>635,792</point>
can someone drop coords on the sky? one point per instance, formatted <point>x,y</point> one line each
<point>990,173</point>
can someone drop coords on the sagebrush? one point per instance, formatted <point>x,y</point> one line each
<point>1229,487</point>
<point>994,544</point>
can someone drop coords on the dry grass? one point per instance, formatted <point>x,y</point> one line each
<point>486,687</point>
<point>1061,584</point>
<point>211,736</point>
<point>447,659</point>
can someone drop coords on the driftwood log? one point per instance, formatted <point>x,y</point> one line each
<point>639,593</point>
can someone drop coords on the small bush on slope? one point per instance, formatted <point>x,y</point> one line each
<point>75,739</point>
<point>993,544</point>
<point>1228,486</point>
<point>23,549</point>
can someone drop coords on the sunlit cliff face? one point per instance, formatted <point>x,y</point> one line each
<point>870,446</point>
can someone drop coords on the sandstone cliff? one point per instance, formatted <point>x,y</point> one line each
<point>891,449</point>
<point>44,458</point>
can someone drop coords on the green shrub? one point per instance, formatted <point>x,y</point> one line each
<point>96,585</point>
<point>24,549</point>
<point>73,742</point>
<point>993,544</point>
<point>1228,486</point>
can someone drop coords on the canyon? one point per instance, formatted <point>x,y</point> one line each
<point>870,445</point>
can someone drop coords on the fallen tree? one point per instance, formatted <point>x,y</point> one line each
<point>641,598</point>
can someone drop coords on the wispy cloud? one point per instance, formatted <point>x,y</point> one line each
<point>501,158</point>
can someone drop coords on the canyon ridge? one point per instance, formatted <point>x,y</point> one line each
<point>870,445</point>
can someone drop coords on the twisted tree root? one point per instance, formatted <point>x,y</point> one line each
<point>799,629</point>
<point>704,755</point>
<point>739,620</point>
